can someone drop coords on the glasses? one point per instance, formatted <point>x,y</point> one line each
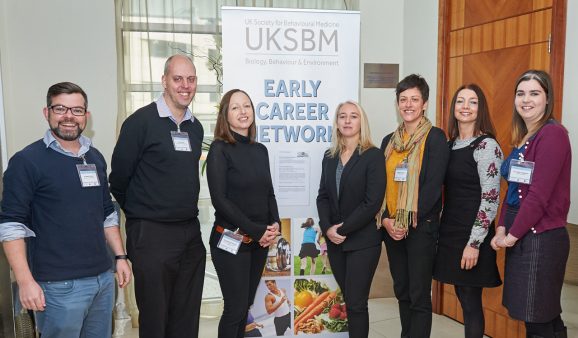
<point>61,110</point>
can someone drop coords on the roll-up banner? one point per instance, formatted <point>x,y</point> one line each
<point>297,66</point>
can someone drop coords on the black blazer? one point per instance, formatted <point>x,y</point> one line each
<point>436,155</point>
<point>361,192</point>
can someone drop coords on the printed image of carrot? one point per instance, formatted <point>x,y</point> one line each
<point>315,302</point>
<point>315,308</point>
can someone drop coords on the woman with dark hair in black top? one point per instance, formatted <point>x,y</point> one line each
<point>246,215</point>
<point>471,197</point>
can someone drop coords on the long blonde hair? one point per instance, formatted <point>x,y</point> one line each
<point>337,141</point>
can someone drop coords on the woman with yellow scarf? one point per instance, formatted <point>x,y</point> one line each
<point>416,157</point>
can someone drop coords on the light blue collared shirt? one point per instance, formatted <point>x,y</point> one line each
<point>51,142</point>
<point>10,231</point>
<point>165,111</point>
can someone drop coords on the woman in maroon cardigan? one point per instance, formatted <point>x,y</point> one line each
<point>532,223</point>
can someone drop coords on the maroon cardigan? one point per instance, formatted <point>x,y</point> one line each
<point>544,204</point>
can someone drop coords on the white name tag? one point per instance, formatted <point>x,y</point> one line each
<point>88,175</point>
<point>230,241</point>
<point>521,171</point>
<point>181,140</point>
<point>400,173</point>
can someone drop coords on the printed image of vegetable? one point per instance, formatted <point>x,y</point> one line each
<point>336,325</point>
<point>315,302</point>
<point>315,308</point>
<point>311,326</point>
<point>337,321</point>
<point>310,285</point>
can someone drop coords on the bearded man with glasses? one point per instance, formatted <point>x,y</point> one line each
<point>57,218</point>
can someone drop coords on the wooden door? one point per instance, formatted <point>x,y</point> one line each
<point>491,42</point>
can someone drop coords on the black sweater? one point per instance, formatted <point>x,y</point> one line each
<point>149,178</point>
<point>241,188</point>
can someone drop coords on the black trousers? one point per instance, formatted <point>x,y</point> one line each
<point>168,262</point>
<point>411,263</point>
<point>239,276</point>
<point>282,324</point>
<point>353,271</point>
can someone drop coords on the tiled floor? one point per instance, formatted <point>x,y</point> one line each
<point>384,319</point>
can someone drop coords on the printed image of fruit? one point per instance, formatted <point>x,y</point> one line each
<point>303,299</point>
<point>338,311</point>
<point>335,311</point>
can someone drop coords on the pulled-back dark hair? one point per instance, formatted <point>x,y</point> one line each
<point>413,81</point>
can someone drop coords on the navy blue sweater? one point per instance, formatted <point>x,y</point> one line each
<point>42,190</point>
<point>148,178</point>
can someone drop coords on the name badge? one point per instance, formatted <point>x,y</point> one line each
<point>521,171</point>
<point>88,175</point>
<point>181,140</point>
<point>400,173</point>
<point>230,241</point>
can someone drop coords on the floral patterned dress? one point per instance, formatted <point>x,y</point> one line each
<point>471,199</point>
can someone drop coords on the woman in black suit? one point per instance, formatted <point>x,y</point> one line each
<point>350,194</point>
<point>416,157</point>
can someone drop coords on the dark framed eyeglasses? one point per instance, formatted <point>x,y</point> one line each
<point>61,110</point>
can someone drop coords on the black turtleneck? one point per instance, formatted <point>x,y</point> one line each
<point>241,188</point>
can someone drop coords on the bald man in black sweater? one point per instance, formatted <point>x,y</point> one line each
<point>155,178</point>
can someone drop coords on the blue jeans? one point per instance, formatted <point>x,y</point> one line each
<point>78,307</point>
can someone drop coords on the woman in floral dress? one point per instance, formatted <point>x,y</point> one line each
<point>472,189</point>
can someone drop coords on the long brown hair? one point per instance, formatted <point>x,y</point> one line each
<point>223,129</point>
<point>483,124</point>
<point>519,129</point>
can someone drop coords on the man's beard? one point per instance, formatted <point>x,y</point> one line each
<point>68,135</point>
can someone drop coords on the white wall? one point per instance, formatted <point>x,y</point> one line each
<point>420,45</point>
<point>378,20</point>
<point>570,104</point>
<point>3,152</point>
<point>45,42</point>
<point>389,34</point>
